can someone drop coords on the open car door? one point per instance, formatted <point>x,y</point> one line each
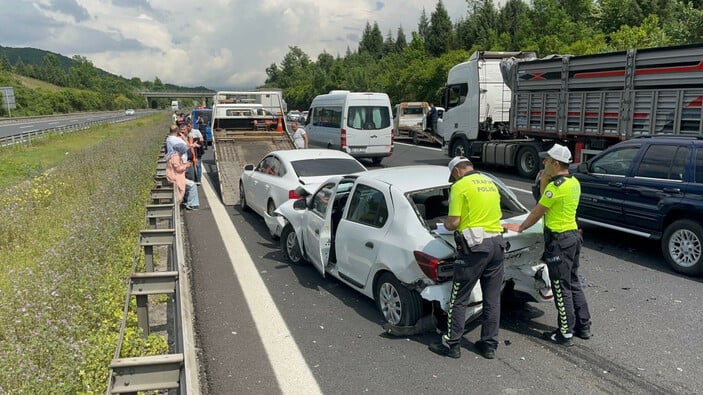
<point>318,226</point>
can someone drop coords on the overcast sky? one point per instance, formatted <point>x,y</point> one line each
<point>214,43</point>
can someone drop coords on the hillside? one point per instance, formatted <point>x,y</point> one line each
<point>33,83</point>
<point>32,56</point>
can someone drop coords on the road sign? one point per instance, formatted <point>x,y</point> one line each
<point>8,98</point>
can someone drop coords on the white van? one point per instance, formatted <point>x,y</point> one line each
<point>357,123</point>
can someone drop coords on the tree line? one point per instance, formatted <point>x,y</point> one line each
<point>82,86</point>
<point>414,67</point>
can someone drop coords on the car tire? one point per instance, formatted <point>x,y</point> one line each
<point>682,246</point>
<point>528,162</point>
<point>291,247</point>
<point>398,305</point>
<point>243,198</point>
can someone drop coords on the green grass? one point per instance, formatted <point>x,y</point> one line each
<point>20,162</point>
<point>70,227</point>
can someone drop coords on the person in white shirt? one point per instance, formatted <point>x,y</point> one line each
<point>300,138</point>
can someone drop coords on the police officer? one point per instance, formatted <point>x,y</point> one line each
<point>557,205</point>
<point>474,214</point>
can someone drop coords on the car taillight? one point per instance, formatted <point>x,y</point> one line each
<point>293,195</point>
<point>428,264</point>
<point>344,139</point>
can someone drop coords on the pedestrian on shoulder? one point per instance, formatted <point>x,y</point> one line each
<point>300,137</point>
<point>197,137</point>
<point>433,116</point>
<point>474,215</point>
<point>562,243</point>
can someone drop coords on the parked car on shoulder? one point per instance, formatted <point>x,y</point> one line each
<point>650,187</point>
<point>377,231</point>
<point>129,111</point>
<point>273,181</point>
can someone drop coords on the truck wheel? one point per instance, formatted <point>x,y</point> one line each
<point>290,246</point>
<point>528,162</point>
<point>243,198</point>
<point>377,160</point>
<point>682,246</point>
<point>460,147</point>
<point>415,139</point>
<point>398,304</point>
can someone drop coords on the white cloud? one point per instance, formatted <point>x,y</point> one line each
<point>214,43</point>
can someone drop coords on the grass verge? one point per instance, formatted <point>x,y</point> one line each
<point>66,249</point>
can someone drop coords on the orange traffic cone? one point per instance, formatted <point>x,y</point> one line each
<point>279,127</point>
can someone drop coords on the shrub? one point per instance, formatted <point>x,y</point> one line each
<point>67,246</point>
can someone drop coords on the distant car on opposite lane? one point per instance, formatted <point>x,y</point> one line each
<point>264,187</point>
<point>130,111</point>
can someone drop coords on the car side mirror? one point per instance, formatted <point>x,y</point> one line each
<point>300,204</point>
<point>582,167</point>
<point>248,167</point>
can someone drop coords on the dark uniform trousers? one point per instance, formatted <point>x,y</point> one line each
<point>484,262</point>
<point>562,251</point>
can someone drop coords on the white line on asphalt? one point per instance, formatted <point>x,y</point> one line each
<point>27,126</point>
<point>521,190</point>
<point>53,123</point>
<point>420,146</point>
<point>292,372</point>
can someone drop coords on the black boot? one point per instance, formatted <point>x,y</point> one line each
<point>442,348</point>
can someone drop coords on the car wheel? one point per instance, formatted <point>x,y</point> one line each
<point>243,198</point>
<point>399,305</point>
<point>290,246</point>
<point>682,246</point>
<point>528,162</point>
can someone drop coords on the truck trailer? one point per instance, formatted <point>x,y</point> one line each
<point>503,108</point>
<point>245,127</point>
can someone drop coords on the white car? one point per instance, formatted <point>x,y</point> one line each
<point>264,187</point>
<point>377,232</point>
<point>294,116</point>
<point>129,111</point>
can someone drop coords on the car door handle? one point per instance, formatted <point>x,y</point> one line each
<point>672,190</point>
<point>369,244</point>
<point>615,184</point>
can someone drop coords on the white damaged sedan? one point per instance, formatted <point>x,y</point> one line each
<point>273,181</point>
<point>377,232</point>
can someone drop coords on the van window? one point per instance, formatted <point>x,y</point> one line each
<point>368,117</point>
<point>330,117</point>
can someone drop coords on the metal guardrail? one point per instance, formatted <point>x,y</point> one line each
<point>176,371</point>
<point>26,137</point>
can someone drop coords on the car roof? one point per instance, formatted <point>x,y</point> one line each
<point>314,153</point>
<point>667,138</point>
<point>410,178</point>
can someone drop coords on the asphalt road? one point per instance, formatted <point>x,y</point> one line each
<point>22,126</point>
<point>264,326</point>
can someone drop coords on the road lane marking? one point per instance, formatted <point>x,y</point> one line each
<point>27,126</point>
<point>289,366</point>
<point>521,190</point>
<point>417,146</point>
<point>53,123</point>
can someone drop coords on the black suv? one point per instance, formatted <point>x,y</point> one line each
<point>650,187</point>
